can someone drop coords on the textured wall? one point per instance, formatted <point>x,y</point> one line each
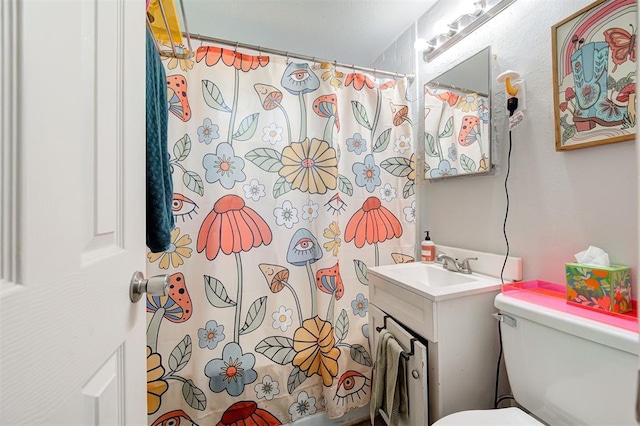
<point>561,202</point>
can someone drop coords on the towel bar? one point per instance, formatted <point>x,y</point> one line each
<point>405,355</point>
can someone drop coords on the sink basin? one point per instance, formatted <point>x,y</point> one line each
<point>433,282</point>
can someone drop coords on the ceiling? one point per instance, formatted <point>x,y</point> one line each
<point>347,31</point>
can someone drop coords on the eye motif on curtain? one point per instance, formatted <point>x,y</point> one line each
<point>306,176</point>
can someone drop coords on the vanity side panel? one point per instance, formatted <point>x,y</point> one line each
<point>467,353</point>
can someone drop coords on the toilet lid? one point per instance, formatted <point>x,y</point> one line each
<point>504,416</point>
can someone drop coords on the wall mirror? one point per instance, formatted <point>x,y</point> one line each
<point>457,119</point>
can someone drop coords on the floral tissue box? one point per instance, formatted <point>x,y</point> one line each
<point>599,287</point>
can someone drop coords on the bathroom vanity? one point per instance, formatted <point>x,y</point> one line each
<point>450,316</point>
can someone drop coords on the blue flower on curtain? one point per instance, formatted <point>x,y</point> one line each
<point>360,305</point>
<point>208,131</point>
<point>367,173</point>
<point>303,406</point>
<point>444,169</point>
<point>453,152</point>
<point>231,372</point>
<point>356,144</point>
<point>286,215</point>
<point>254,190</point>
<point>483,110</point>
<point>224,166</point>
<point>211,335</point>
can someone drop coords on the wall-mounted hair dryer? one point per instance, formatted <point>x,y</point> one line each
<point>514,90</point>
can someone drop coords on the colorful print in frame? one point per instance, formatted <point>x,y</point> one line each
<point>594,75</point>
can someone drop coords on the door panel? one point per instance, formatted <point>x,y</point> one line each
<point>416,366</point>
<point>73,345</point>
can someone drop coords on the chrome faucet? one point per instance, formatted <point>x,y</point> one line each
<point>451,264</point>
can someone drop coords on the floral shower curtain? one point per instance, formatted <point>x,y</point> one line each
<point>290,180</point>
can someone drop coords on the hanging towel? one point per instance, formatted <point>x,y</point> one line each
<point>160,220</point>
<point>389,380</point>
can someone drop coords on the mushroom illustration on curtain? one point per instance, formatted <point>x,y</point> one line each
<point>290,179</point>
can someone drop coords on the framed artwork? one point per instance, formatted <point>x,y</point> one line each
<point>594,75</point>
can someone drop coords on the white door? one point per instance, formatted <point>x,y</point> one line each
<point>72,169</point>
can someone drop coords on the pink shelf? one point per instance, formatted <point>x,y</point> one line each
<point>552,296</point>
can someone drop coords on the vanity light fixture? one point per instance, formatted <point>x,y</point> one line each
<point>471,18</point>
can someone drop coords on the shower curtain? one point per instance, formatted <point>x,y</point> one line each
<point>290,180</point>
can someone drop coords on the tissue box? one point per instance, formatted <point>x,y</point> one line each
<point>599,287</point>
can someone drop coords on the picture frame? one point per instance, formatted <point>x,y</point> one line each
<point>594,75</point>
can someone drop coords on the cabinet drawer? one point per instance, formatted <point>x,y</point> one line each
<point>413,310</point>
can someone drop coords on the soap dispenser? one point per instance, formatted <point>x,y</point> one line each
<point>428,250</point>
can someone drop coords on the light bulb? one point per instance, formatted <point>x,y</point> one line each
<point>420,45</point>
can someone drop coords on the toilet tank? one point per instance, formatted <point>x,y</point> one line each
<point>569,370</point>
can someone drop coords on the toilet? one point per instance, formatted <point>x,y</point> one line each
<point>563,370</point>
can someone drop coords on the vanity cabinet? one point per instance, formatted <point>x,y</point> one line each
<point>455,324</point>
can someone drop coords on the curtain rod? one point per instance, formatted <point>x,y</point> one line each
<point>294,55</point>
<point>458,88</point>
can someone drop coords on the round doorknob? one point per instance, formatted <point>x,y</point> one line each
<point>155,286</point>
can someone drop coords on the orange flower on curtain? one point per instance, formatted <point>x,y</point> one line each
<point>230,58</point>
<point>247,413</point>
<point>316,353</point>
<point>358,81</point>
<point>232,227</point>
<point>373,224</point>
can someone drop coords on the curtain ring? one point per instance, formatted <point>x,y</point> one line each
<point>374,74</point>
<point>235,51</point>
<point>287,53</point>
<point>335,64</point>
<point>353,68</point>
<point>259,50</point>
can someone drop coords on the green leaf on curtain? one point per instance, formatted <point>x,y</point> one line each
<point>213,96</point>
<point>383,141</point>
<point>247,127</point>
<point>296,377</point>
<point>281,187</point>
<point>278,349</point>
<point>448,129</point>
<point>255,316</point>
<point>342,326</point>
<point>194,396</point>
<point>344,185</point>
<point>180,355</point>
<point>409,189</point>
<point>216,293</point>
<point>468,164</point>
<point>193,181</point>
<point>397,166</point>
<point>360,114</point>
<point>361,271</point>
<point>430,145</point>
<point>267,159</point>
<point>360,355</point>
<point>182,148</point>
